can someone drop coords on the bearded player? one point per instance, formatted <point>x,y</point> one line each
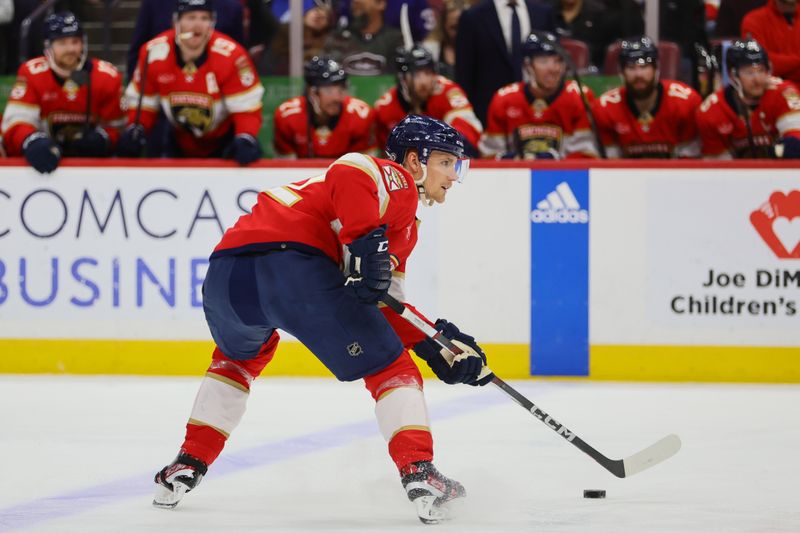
<point>543,117</point>
<point>325,121</point>
<point>647,116</point>
<point>206,85</point>
<point>755,115</point>
<point>63,103</point>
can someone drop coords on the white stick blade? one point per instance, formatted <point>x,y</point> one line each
<point>651,456</point>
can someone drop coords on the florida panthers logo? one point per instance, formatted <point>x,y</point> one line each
<point>193,111</point>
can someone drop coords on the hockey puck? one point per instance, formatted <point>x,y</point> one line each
<point>594,494</point>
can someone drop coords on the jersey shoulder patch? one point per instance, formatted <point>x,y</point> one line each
<point>35,66</point>
<point>394,179</point>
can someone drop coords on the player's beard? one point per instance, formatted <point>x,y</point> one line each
<point>68,61</point>
<point>644,92</point>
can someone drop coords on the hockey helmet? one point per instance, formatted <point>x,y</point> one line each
<point>414,59</point>
<point>638,51</point>
<point>60,25</point>
<point>321,71</point>
<point>184,6</point>
<point>541,43</point>
<point>746,52</point>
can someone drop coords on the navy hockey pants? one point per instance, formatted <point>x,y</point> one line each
<point>247,297</point>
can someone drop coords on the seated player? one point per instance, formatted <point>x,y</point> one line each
<point>755,115</point>
<point>647,117</point>
<point>325,121</point>
<point>206,85</point>
<point>63,103</point>
<point>314,258</point>
<point>543,118</point>
<point>421,91</point>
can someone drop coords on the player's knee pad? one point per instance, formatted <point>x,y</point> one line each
<point>403,372</point>
<point>244,371</point>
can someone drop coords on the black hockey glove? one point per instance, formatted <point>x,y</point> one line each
<point>465,367</point>
<point>370,266</point>
<point>41,152</point>
<point>93,143</point>
<point>244,149</point>
<point>791,148</point>
<point>132,141</point>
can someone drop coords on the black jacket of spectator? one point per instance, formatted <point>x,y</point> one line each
<point>483,64</point>
<point>155,16</point>
<point>730,15</point>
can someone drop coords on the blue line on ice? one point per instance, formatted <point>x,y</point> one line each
<point>86,499</point>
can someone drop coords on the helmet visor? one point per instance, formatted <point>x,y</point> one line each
<point>462,168</point>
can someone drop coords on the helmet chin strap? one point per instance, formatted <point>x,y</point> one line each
<point>423,197</point>
<point>62,72</point>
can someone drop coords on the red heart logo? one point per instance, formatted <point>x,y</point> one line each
<point>774,221</point>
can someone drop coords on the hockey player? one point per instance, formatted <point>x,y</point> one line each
<point>325,121</point>
<point>421,91</point>
<point>206,85</point>
<point>280,267</point>
<point>647,117</point>
<point>756,115</point>
<point>63,103</point>
<point>543,117</point>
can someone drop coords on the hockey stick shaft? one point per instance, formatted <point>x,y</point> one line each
<point>658,452</point>
<point>586,107</point>
<point>142,84</point>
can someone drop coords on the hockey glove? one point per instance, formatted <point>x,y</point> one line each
<point>791,148</point>
<point>465,367</point>
<point>93,143</point>
<point>244,149</point>
<point>370,266</point>
<point>41,152</point>
<point>132,141</point>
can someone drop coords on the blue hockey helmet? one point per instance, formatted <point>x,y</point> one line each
<point>414,59</point>
<point>184,6</point>
<point>744,53</point>
<point>321,71</point>
<point>541,43</point>
<point>638,51</point>
<point>60,25</point>
<point>423,134</point>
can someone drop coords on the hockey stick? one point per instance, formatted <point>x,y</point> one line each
<point>137,117</point>
<point>589,115</point>
<point>650,456</point>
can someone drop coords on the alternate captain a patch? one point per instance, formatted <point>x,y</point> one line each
<point>394,179</point>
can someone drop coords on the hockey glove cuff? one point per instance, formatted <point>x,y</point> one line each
<point>132,141</point>
<point>244,149</point>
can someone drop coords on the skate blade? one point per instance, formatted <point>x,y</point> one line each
<point>168,499</point>
<point>429,512</point>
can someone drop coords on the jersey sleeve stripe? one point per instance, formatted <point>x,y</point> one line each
<point>283,196</point>
<point>582,141</point>
<point>149,103</point>
<point>17,112</point>
<point>788,122</point>
<point>688,149</point>
<point>243,102</point>
<point>467,115</point>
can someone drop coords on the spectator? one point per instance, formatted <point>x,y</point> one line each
<point>63,103</point>
<point>318,22</point>
<point>325,121</point>
<point>725,120</point>
<point>206,85</point>
<point>365,46</point>
<point>684,22</point>
<point>588,21</point>
<point>421,16</point>
<point>646,117</point>
<point>489,46</point>
<point>542,118</point>
<point>420,91</point>
<point>730,15</point>
<point>776,27</point>
<point>156,16</point>
<point>442,41</point>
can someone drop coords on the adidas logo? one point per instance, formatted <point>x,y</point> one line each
<point>560,207</point>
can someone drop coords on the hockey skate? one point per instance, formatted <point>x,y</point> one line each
<point>176,479</point>
<point>430,491</point>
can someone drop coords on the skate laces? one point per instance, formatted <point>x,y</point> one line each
<point>423,479</point>
<point>184,469</point>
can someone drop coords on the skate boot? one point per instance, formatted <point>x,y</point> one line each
<point>176,479</point>
<point>430,491</point>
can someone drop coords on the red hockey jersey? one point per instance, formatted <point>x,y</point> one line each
<point>42,101</point>
<point>669,131</point>
<point>205,101</point>
<point>448,103</point>
<point>723,132</point>
<point>520,123</point>
<point>354,195</point>
<point>352,130</point>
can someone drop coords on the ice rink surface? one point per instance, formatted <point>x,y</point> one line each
<point>77,454</point>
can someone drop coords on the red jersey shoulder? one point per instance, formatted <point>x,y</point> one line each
<point>356,108</point>
<point>448,91</point>
<point>784,94</point>
<point>572,89</point>
<point>679,96</point>
<point>291,109</point>
<point>386,101</point>
<point>36,67</point>
<point>105,69</point>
